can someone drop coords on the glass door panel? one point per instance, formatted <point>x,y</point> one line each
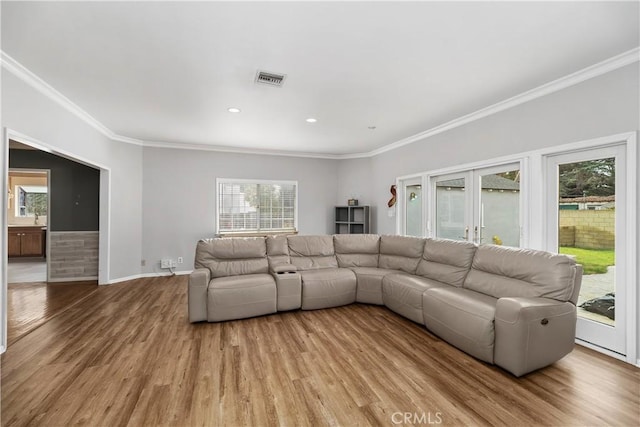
<point>586,231</point>
<point>498,212</point>
<point>413,210</point>
<point>452,208</point>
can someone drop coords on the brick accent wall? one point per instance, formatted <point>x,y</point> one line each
<point>588,229</point>
<point>73,255</point>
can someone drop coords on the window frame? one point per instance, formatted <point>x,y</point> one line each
<point>18,190</point>
<point>258,231</point>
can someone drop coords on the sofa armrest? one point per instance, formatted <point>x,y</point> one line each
<point>283,268</point>
<point>531,333</point>
<point>198,284</point>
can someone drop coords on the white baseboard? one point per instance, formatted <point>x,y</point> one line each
<point>73,279</point>
<point>145,275</point>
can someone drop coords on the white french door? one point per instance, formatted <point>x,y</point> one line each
<point>586,205</point>
<point>451,206</point>
<point>482,205</point>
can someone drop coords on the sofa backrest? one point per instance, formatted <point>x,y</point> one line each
<point>500,272</point>
<point>400,252</point>
<point>232,256</point>
<point>277,251</point>
<point>312,252</point>
<point>446,261</point>
<point>357,250</point>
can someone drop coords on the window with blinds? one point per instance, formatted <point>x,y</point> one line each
<point>252,206</point>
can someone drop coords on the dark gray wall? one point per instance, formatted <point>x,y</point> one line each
<point>75,189</point>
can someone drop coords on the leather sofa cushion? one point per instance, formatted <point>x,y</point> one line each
<point>400,253</point>
<point>328,287</point>
<point>232,257</point>
<point>357,250</point>
<point>239,297</point>
<point>369,282</point>
<point>508,272</point>
<point>277,251</point>
<point>463,318</point>
<point>402,293</point>
<point>312,252</point>
<point>446,261</point>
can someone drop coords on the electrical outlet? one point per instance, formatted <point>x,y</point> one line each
<point>143,262</point>
<point>165,263</point>
<point>180,260</point>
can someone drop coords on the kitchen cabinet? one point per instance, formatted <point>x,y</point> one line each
<point>26,242</point>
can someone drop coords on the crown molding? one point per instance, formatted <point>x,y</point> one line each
<point>24,74</point>
<point>580,76</point>
<point>241,150</point>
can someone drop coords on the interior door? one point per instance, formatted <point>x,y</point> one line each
<point>586,207</point>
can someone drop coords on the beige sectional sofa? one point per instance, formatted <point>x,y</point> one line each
<point>511,307</point>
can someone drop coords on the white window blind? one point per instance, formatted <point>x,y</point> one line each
<point>256,206</point>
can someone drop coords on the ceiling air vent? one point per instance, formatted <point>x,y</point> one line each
<point>271,79</point>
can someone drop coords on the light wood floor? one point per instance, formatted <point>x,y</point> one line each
<point>126,355</point>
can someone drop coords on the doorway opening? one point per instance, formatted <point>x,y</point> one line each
<point>76,242</point>
<point>27,218</point>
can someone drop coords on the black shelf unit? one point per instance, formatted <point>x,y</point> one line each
<point>352,220</point>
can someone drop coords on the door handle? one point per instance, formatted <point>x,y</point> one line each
<point>475,234</point>
<point>466,234</point>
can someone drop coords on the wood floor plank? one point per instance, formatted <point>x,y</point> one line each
<point>126,355</point>
<point>31,304</point>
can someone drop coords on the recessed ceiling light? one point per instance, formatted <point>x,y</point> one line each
<point>311,120</point>
<point>233,110</point>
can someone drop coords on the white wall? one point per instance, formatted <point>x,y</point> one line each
<point>28,112</point>
<point>354,181</point>
<point>179,196</point>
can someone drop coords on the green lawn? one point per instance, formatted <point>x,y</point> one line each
<point>594,261</point>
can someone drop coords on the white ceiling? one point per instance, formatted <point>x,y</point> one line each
<point>167,72</point>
